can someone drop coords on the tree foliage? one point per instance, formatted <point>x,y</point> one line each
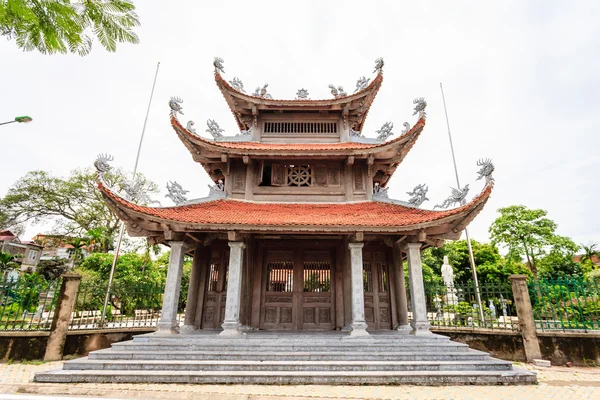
<point>73,203</point>
<point>52,269</point>
<point>7,262</point>
<point>64,26</point>
<point>529,233</point>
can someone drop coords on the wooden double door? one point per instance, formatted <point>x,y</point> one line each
<point>298,289</point>
<point>376,285</point>
<point>213,314</point>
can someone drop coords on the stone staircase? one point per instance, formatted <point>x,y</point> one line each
<point>386,357</point>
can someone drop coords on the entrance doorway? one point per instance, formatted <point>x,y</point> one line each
<point>298,289</point>
<point>216,289</point>
<point>376,284</point>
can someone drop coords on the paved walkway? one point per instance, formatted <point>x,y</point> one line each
<point>555,383</point>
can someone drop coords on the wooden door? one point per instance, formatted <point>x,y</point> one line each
<point>278,297</point>
<point>216,289</point>
<point>298,291</point>
<point>376,290</point>
<point>317,290</point>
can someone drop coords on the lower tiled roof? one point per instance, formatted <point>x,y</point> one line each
<point>239,212</point>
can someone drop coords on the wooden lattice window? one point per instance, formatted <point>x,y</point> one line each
<point>213,276</point>
<point>300,127</point>
<point>317,276</point>
<point>367,277</point>
<point>280,276</point>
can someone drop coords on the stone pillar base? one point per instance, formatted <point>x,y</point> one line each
<point>231,329</point>
<point>403,328</point>
<point>188,328</point>
<point>167,328</point>
<point>358,329</point>
<point>420,328</point>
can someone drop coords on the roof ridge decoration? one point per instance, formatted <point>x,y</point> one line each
<point>133,188</point>
<point>176,192</point>
<point>419,192</point>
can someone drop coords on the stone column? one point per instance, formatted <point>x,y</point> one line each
<point>231,325</point>
<point>62,317</point>
<point>189,323</point>
<point>420,324</point>
<point>401,302</point>
<point>168,320</point>
<point>525,314</point>
<point>358,326</point>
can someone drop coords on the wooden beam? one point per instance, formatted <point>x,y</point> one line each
<point>350,160</point>
<point>246,159</point>
<point>422,236</point>
<point>224,157</point>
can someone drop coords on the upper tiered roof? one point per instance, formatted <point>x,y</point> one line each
<point>245,106</point>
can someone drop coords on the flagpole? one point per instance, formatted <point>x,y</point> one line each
<point>471,258</point>
<point>122,227</point>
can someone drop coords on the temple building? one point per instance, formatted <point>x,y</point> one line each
<point>299,247</point>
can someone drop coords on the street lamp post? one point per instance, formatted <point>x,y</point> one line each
<point>22,120</point>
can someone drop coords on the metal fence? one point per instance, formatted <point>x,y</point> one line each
<point>129,306</point>
<point>27,305</point>
<point>565,304</point>
<point>455,307</point>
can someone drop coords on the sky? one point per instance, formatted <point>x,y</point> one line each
<point>521,81</point>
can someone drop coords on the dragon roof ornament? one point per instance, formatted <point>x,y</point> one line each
<point>337,92</point>
<point>175,104</point>
<point>379,192</point>
<point>176,192</point>
<point>190,127</point>
<point>217,190</point>
<point>456,196</point>
<point>237,84</point>
<point>262,92</point>
<point>214,129</point>
<point>302,94</point>
<point>361,84</point>
<point>379,65</point>
<point>486,170</point>
<point>102,163</point>
<point>136,193</point>
<point>420,105</point>
<point>406,127</point>
<point>218,64</point>
<point>418,195</point>
<point>354,133</point>
<point>385,131</point>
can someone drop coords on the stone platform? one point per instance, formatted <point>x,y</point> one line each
<point>257,357</point>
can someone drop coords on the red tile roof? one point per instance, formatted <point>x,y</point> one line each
<point>325,147</point>
<point>239,212</point>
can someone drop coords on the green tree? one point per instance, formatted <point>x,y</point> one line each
<point>590,252</point>
<point>64,26</point>
<point>52,269</point>
<point>76,250</point>
<point>7,262</point>
<point>74,203</point>
<point>526,232</point>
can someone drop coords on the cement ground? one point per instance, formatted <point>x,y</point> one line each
<point>554,383</point>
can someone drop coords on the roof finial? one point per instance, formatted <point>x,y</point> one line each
<point>175,104</point>
<point>420,105</point>
<point>190,127</point>
<point>486,170</point>
<point>406,126</point>
<point>218,63</point>
<point>379,192</point>
<point>262,92</point>
<point>379,65</point>
<point>102,163</point>
<point>302,94</point>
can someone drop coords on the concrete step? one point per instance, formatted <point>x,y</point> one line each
<point>110,354</point>
<point>336,347</point>
<point>280,366</point>
<point>516,376</point>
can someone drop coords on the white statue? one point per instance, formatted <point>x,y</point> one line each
<point>492,310</point>
<point>448,277</point>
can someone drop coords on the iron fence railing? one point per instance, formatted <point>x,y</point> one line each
<point>27,304</point>
<point>565,304</point>
<point>130,306</point>
<point>455,306</point>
